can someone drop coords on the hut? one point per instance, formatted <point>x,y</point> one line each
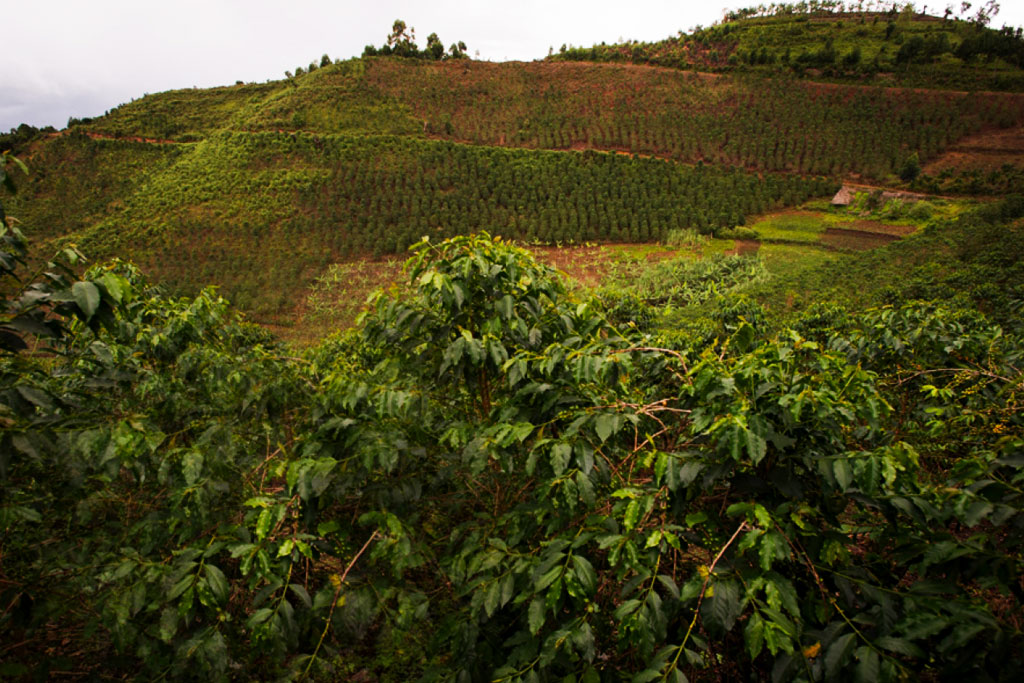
<point>843,197</point>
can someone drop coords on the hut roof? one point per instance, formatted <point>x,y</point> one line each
<point>843,197</point>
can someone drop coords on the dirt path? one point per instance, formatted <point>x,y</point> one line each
<point>108,136</point>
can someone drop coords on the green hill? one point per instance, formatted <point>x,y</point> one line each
<point>260,188</point>
<point>821,40</point>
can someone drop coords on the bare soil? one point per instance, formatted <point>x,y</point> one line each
<point>876,228</point>
<point>986,151</point>
<point>857,240</point>
<point>744,248</point>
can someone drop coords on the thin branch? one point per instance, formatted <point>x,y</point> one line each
<point>334,602</point>
<point>703,589</point>
<point>954,370</point>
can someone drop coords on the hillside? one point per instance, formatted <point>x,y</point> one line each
<point>828,40</point>
<point>259,188</point>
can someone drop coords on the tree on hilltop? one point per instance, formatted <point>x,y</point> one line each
<point>435,48</point>
<point>401,42</point>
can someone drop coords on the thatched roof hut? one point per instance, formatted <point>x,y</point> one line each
<point>843,197</point>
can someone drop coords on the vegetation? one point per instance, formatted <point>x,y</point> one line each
<point>263,230</point>
<point>789,126</point>
<point>759,438</point>
<point>20,136</point>
<point>402,43</point>
<point>265,186</point>
<point>858,41</point>
<point>492,471</point>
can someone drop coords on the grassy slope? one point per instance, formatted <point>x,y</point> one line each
<point>827,43</point>
<point>262,214</point>
<point>265,186</point>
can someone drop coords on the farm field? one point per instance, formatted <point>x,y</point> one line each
<point>788,242</point>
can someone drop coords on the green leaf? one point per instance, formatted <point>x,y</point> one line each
<point>753,635</point>
<point>259,616</point>
<point>263,524</point>
<point>868,665</point>
<point>843,473</point>
<point>743,337</point>
<point>677,676</point>
<point>504,306</point>
<point>670,585</point>
<point>192,466</point>
<point>36,397</point>
<point>632,514</point>
<point>837,653</point>
<point>217,582</point>
<point>561,453</point>
<point>183,584</point>
<point>695,518</point>
<point>978,510</point>
<point>535,615</point>
<point>115,286</point>
<point>772,547</point>
<point>301,593</point>
<point>725,605</point>
<point>168,624</point>
<point>899,646</point>
<point>757,447</point>
<point>626,608</point>
<point>508,588</point>
<point>492,597</point>
<point>87,296</point>
<point>548,578</point>
<point>739,509</point>
<point>585,573</point>
<point>660,468</point>
<point>606,424</point>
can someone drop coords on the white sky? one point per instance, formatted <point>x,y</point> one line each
<point>64,58</point>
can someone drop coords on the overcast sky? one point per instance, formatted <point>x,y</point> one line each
<point>80,58</point>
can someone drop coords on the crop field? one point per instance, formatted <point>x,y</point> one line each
<point>263,214</point>
<point>787,125</point>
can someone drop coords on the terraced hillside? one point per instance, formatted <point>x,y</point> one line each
<point>259,188</point>
<point>262,213</point>
<point>777,125</point>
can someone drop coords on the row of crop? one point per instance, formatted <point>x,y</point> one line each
<point>776,125</point>
<point>782,125</point>
<point>250,210</point>
<point>75,181</point>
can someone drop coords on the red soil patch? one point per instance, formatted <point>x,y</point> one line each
<point>876,228</point>
<point>107,136</point>
<point>660,255</point>
<point>986,151</point>
<point>856,240</point>
<point>585,265</point>
<point>744,248</point>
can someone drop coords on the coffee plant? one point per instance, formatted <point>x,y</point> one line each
<point>489,480</point>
